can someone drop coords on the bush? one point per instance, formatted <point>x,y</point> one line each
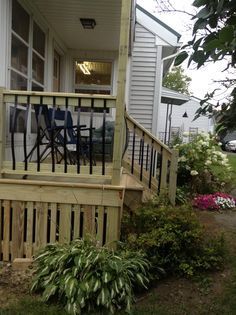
<point>202,166</point>
<point>172,239</point>
<point>85,277</point>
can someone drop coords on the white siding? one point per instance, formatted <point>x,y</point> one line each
<point>177,120</point>
<point>142,78</point>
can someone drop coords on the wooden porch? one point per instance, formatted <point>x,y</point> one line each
<point>53,189</point>
<point>45,201</point>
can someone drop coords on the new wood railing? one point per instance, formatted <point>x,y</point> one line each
<point>150,161</point>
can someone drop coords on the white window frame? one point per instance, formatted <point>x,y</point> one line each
<point>99,87</point>
<point>29,76</point>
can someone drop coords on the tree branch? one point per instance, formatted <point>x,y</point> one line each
<point>177,11</point>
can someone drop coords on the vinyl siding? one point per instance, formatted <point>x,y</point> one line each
<point>177,120</point>
<point>142,78</point>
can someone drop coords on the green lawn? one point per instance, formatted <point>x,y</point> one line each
<point>232,160</point>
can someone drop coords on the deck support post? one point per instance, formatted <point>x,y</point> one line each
<point>121,84</point>
<point>173,176</point>
<point>2,129</point>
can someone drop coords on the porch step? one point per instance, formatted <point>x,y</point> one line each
<point>134,191</point>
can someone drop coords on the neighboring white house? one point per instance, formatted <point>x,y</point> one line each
<point>159,109</point>
<point>178,120</point>
<point>43,46</point>
<point>154,48</point>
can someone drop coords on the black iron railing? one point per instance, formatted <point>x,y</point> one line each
<point>62,136</point>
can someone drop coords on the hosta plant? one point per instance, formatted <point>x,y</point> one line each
<point>85,277</point>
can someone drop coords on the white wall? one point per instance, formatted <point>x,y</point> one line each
<point>142,77</point>
<point>202,123</point>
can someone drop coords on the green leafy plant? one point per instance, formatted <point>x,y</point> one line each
<point>202,166</point>
<point>83,276</point>
<point>172,239</point>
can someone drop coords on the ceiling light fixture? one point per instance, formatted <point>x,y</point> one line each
<point>83,68</point>
<point>88,24</point>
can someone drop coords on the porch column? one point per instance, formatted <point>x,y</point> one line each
<point>121,82</point>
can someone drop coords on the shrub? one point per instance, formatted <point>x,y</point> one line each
<point>173,240</point>
<point>202,166</point>
<point>85,277</point>
<point>215,201</point>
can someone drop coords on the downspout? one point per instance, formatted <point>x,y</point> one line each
<point>158,93</point>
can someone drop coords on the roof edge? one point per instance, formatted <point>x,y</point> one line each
<point>158,21</point>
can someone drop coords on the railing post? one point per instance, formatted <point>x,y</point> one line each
<point>121,83</point>
<point>173,176</point>
<point>2,129</point>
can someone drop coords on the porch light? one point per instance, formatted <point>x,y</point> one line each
<point>83,68</point>
<point>88,23</point>
<point>185,115</point>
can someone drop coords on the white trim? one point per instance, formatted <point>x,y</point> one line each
<point>4,40</point>
<point>157,91</point>
<point>157,29</point>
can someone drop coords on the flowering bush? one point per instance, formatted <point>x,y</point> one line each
<point>202,166</point>
<point>215,201</point>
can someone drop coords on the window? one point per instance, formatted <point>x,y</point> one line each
<point>27,58</point>
<point>93,77</point>
<point>27,39</point>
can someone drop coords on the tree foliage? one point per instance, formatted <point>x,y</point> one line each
<point>177,80</point>
<point>214,39</point>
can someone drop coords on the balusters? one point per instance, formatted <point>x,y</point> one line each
<point>52,133</point>
<point>91,138</point>
<point>104,136</point>
<point>65,136</point>
<point>13,126</point>
<point>78,140</point>
<point>39,122</point>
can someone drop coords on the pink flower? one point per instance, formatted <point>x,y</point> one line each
<point>214,201</point>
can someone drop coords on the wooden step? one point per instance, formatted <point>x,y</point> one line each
<point>133,191</point>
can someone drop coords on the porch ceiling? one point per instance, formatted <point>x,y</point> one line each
<point>64,17</point>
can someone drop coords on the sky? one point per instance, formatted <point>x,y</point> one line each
<point>202,79</point>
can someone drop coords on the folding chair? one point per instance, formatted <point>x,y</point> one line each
<point>69,137</point>
<point>46,135</point>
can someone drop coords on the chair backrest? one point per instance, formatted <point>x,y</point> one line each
<point>43,119</point>
<point>59,120</point>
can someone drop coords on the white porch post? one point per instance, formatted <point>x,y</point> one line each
<point>121,83</point>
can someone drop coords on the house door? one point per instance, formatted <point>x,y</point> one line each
<point>56,72</point>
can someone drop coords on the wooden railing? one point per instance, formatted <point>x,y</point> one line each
<point>65,148</point>
<point>36,213</point>
<point>150,161</point>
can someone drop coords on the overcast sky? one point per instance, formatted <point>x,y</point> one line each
<point>202,79</point>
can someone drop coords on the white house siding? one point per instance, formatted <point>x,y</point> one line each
<point>203,124</point>
<point>142,77</point>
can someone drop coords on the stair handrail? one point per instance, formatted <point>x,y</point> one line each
<point>152,162</point>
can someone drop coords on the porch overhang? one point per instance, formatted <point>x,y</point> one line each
<point>64,18</point>
<point>169,96</point>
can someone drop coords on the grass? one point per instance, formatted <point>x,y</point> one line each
<point>32,306</point>
<point>232,161</point>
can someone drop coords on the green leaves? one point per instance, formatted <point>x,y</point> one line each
<point>180,58</point>
<point>85,277</point>
<point>199,3</point>
<point>226,34</point>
